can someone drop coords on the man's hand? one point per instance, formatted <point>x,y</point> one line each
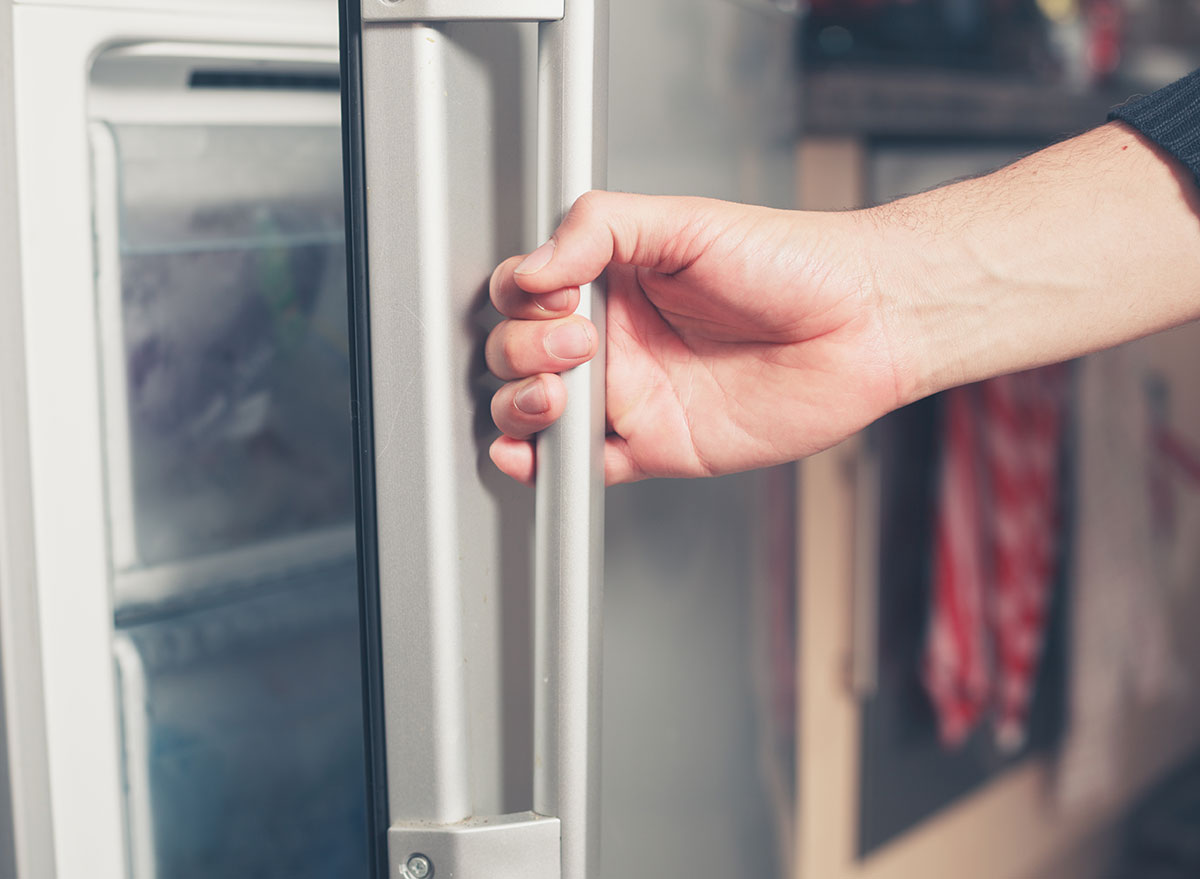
<point>738,336</point>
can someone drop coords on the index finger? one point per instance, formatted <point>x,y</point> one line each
<point>664,233</point>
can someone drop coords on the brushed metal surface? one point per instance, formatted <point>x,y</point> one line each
<point>431,108</point>
<point>702,102</point>
<point>445,127</point>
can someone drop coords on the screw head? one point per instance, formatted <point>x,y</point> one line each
<point>418,867</point>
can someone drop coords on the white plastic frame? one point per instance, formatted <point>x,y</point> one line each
<point>55,45</point>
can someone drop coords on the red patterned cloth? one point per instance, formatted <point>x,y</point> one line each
<point>996,537</point>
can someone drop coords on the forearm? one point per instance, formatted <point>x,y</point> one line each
<point>1084,245</point>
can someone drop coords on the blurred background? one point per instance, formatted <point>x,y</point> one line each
<point>978,726</point>
<point>803,678</point>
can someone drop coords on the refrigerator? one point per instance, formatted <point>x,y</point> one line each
<point>266,608</point>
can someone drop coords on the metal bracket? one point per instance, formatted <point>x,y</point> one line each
<point>520,846</point>
<point>462,10</point>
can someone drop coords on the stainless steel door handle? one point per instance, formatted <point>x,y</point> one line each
<point>569,528</point>
<point>434,830</point>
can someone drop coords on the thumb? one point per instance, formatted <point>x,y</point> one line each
<point>654,232</point>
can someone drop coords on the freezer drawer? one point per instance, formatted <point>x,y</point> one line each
<point>242,735</point>
<point>221,293</point>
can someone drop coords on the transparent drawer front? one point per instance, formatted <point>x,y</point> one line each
<point>243,737</point>
<point>221,295</point>
<point>227,365</point>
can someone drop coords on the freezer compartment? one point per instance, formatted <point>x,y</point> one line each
<point>223,317</point>
<point>225,384</point>
<point>243,737</point>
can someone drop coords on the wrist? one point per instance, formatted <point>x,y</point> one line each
<point>915,274</point>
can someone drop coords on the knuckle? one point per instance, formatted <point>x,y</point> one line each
<point>589,204</point>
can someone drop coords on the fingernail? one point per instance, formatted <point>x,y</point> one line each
<point>569,341</point>
<point>556,301</point>
<point>532,399</point>
<point>537,260</point>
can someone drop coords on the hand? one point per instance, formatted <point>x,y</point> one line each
<point>738,336</point>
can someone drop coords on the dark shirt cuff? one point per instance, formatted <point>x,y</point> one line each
<point>1171,118</point>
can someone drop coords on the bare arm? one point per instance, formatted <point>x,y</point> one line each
<point>740,337</point>
<point>1084,245</point>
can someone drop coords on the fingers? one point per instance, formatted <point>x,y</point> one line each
<point>516,458</point>
<point>519,348</point>
<point>521,409</point>
<point>658,232</point>
<point>619,463</point>
<point>539,293</point>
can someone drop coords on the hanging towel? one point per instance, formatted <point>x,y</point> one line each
<point>1024,419</point>
<point>957,671</point>
<point>995,554</point>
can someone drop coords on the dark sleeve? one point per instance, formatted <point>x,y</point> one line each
<point>1171,118</point>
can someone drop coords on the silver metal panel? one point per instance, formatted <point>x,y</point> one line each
<point>690,780</point>
<point>520,846</point>
<point>703,101</point>
<point>708,103</point>
<point>26,834</point>
<point>446,128</point>
<point>572,159</point>
<point>461,10</point>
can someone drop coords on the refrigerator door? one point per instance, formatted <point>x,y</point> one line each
<point>456,136</point>
<point>477,744</point>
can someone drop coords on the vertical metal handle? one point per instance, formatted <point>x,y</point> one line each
<point>569,528</point>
